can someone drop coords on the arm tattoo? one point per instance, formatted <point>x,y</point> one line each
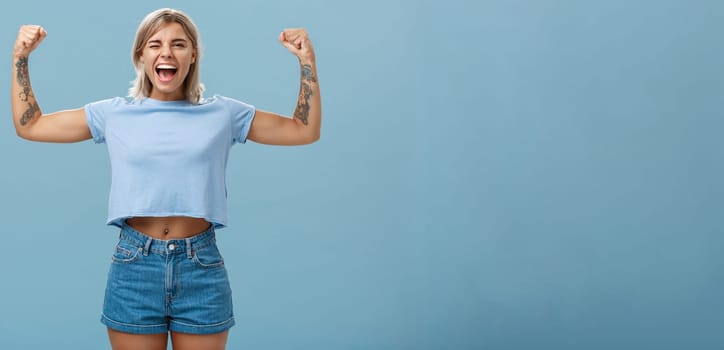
<point>24,81</point>
<point>305,91</point>
<point>23,78</point>
<point>29,113</point>
<point>307,73</point>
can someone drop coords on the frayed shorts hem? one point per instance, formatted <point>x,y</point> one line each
<point>173,326</point>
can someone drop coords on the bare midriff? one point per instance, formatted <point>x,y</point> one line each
<point>169,227</point>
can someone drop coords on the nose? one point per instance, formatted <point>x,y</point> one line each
<point>166,51</point>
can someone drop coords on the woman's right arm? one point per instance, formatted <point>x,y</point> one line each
<point>30,122</point>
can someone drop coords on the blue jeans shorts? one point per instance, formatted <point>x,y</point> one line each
<point>155,286</point>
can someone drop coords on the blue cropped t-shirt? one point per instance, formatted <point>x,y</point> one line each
<point>168,158</point>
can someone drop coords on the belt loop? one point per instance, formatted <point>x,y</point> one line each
<point>147,247</point>
<point>188,248</point>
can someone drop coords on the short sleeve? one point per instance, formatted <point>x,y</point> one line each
<point>242,115</point>
<point>96,114</point>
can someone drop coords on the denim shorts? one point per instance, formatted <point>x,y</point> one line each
<point>155,286</point>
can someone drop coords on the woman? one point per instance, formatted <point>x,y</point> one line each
<point>168,148</point>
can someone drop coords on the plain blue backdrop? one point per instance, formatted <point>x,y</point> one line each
<point>505,175</point>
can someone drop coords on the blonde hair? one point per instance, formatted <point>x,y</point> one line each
<point>141,86</point>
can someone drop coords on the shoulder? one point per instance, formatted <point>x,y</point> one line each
<point>227,103</point>
<point>221,99</point>
<point>111,102</point>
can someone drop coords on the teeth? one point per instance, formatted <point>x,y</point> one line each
<point>165,66</point>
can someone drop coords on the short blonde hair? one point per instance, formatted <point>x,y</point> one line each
<point>141,86</point>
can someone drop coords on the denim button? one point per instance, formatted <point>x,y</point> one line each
<point>171,246</point>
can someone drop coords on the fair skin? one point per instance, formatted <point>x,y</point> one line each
<point>167,56</point>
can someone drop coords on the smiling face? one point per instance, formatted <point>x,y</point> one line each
<point>167,57</point>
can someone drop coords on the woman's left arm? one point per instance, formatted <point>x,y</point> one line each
<point>304,128</point>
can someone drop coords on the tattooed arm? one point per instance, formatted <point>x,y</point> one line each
<point>30,123</point>
<point>304,127</point>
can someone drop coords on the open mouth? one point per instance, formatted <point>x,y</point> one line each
<point>165,72</point>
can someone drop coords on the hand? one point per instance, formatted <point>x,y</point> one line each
<point>297,41</point>
<point>29,37</point>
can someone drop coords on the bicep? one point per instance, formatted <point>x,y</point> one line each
<point>273,129</point>
<point>63,126</point>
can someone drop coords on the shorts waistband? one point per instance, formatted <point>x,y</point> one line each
<point>169,246</point>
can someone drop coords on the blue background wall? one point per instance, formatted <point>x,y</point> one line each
<point>507,175</point>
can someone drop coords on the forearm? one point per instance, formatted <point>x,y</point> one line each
<point>308,113</point>
<point>24,105</point>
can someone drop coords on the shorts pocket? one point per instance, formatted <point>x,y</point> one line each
<point>208,256</point>
<point>125,253</point>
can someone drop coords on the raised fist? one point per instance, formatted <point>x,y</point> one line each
<point>29,37</point>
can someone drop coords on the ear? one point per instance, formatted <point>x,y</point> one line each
<point>193,56</point>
